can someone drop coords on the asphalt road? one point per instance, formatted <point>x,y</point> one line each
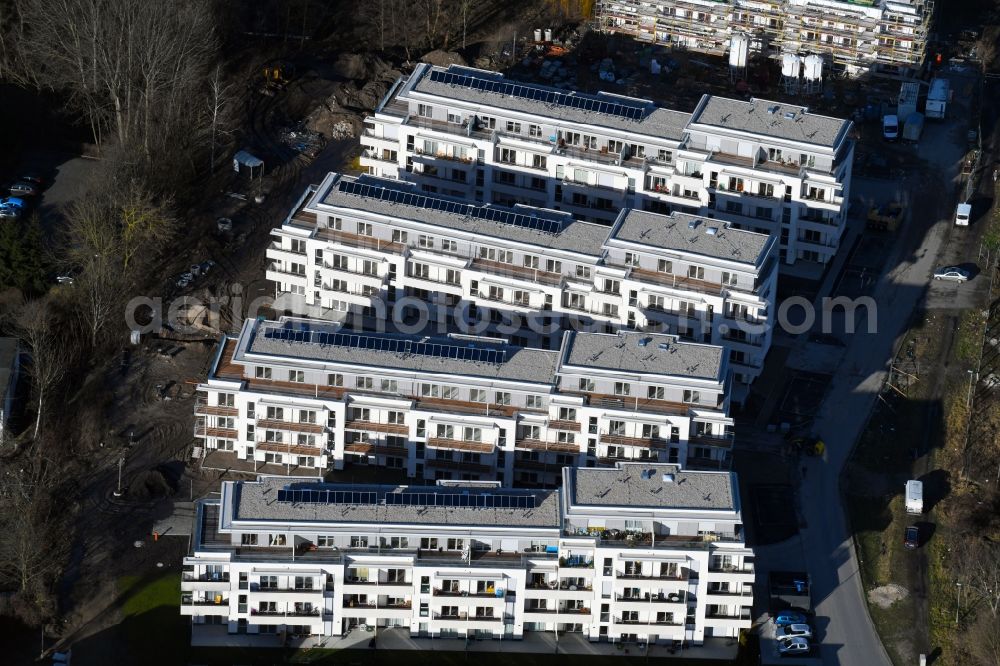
<point>848,636</point>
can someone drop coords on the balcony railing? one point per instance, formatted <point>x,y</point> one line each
<point>201,406</point>
<point>206,577</point>
<point>459,444</point>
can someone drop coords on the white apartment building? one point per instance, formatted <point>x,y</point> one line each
<point>475,135</point>
<point>854,36</point>
<point>635,553</point>
<point>371,245</point>
<point>312,395</point>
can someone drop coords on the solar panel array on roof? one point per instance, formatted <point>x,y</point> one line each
<point>390,345</point>
<point>405,198</point>
<point>327,497</point>
<point>620,109</point>
<point>477,500</point>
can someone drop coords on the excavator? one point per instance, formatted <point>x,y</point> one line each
<point>808,444</point>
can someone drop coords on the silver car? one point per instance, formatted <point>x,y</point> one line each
<point>794,645</point>
<point>792,630</point>
<point>953,273</point>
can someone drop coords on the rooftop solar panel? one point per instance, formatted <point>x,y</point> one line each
<point>526,91</point>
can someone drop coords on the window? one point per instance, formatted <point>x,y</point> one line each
<point>325,541</point>
<point>583,272</point>
<point>501,398</point>
<point>307,416</point>
<point>472,434</point>
<point>665,266</point>
<point>611,286</point>
<point>262,373</point>
<point>366,383</point>
<point>248,539</point>
<point>335,379</point>
<point>664,156</point>
<point>533,402</point>
<point>691,396</point>
<point>729,279</point>
<point>449,245</point>
<point>623,388</point>
<point>538,162</point>
<point>428,543</point>
<point>567,414</point>
<point>477,395</point>
<point>364,229</point>
<point>445,431</point>
<point>369,267</point>
<point>508,156</point>
<point>534,130</point>
<point>696,272</point>
<point>454,118</point>
<point>530,261</point>
<point>553,266</point>
<point>513,127</point>
<point>565,437</point>
<point>269,583</point>
<point>425,110</point>
<point>398,236</point>
<point>421,428</point>
<point>655,303</point>
<point>655,392</point>
<point>587,385</point>
<point>425,241</point>
<point>297,376</point>
<point>631,259</point>
<point>359,542</point>
<point>390,386</point>
<point>275,414</point>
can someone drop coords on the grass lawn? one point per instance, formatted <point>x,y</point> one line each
<point>262,656</point>
<point>153,630</point>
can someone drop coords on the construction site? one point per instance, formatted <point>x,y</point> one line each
<point>854,37</point>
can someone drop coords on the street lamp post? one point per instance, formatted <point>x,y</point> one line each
<point>968,397</point>
<point>118,491</point>
<point>958,601</point>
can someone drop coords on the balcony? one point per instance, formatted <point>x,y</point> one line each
<point>375,426</point>
<point>277,424</point>
<point>541,445</point>
<point>635,404</point>
<point>659,623</point>
<point>746,594</point>
<point>460,465</point>
<point>746,568</point>
<point>465,617</point>
<point>202,407</point>
<point>640,442</point>
<point>669,598</point>
<point>375,447</point>
<point>720,441</point>
<point>678,282</point>
<point>305,612</point>
<point>380,156</point>
<point>276,245</point>
<point>257,589</point>
<point>459,444</point>
<point>297,449</point>
<point>439,592</point>
<point>561,424</point>
<point>529,275</point>
<point>201,430</point>
<point>356,241</point>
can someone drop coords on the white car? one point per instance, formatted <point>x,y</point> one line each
<point>792,630</point>
<point>794,645</point>
<point>890,128</point>
<point>953,273</point>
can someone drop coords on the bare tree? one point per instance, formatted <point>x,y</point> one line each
<point>978,566</point>
<point>220,96</point>
<point>983,640</point>
<point>38,328</point>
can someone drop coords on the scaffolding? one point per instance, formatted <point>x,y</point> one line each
<point>854,35</point>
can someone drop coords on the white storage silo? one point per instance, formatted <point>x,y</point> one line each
<point>791,67</point>
<point>812,73</point>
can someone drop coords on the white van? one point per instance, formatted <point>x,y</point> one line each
<point>914,497</point>
<point>890,127</point>
<point>962,214</point>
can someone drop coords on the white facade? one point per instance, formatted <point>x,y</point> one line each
<point>855,35</point>
<point>474,135</point>
<point>350,246</point>
<point>664,563</point>
<point>517,417</point>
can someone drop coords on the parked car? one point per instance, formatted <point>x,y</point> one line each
<point>890,127</point>
<point>65,279</point>
<point>10,212</point>
<point>963,211</point>
<point>794,645</point>
<point>790,617</point>
<point>23,189</point>
<point>791,630</point>
<point>15,202</point>
<point>911,537</point>
<point>35,179</point>
<point>953,273</point>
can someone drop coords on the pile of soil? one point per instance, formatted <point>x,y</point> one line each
<point>885,596</point>
<point>156,483</point>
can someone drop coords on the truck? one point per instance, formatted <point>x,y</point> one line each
<point>937,99</point>
<point>914,497</point>
<point>913,126</point>
<point>909,93</point>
